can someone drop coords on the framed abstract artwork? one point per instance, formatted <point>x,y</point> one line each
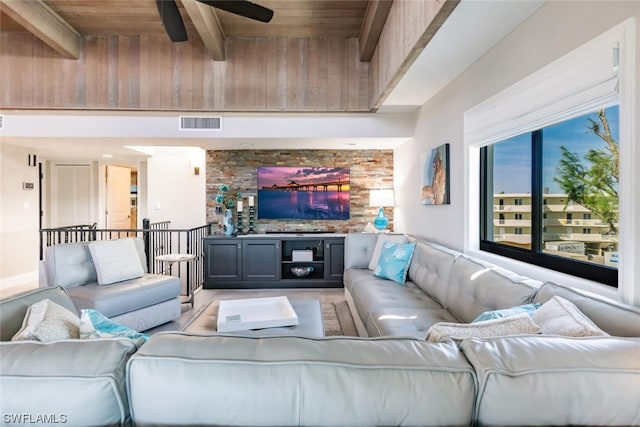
<point>435,176</point>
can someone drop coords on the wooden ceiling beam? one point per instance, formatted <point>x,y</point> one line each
<point>44,23</point>
<point>206,22</point>
<point>372,25</point>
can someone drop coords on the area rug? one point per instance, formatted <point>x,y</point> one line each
<point>336,318</point>
<point>336,315</point>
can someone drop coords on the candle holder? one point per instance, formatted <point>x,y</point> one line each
<point>239,225</point>
<point>252,217</point>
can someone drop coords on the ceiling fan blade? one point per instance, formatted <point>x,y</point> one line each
<point>172,20</point>
<point>243,8</point>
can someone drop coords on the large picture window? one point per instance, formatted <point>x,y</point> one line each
<point>550,196</point>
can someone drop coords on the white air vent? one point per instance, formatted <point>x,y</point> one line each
<point>200,123</point>
<point>1,121</point>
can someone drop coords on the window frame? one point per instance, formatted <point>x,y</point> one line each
<point>586,270</point>
<point>481,127</point>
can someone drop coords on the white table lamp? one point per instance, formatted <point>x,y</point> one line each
<point>381,198</point>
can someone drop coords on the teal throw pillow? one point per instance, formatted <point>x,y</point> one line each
<point>394,261</point>
<point>94,324</point>
<point>507,312</point>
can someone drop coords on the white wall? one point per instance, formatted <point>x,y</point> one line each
<point>167,180</point>
<point>551,32</point>
<point>173,192</point>
<point>19,240</point>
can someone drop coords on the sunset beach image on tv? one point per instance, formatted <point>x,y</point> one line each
<point>303,193</point>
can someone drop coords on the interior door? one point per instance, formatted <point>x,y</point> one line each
<point>71,195</point>
<point>118,198</point>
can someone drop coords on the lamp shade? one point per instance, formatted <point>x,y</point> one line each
<point>381,198</point>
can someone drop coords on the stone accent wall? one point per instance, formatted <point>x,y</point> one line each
<point>369,169</point>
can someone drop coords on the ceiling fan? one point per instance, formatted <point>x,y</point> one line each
<point>174,26</point>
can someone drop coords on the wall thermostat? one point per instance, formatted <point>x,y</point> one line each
<point>28,186</point>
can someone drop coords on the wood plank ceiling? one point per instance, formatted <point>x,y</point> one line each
<point>299,18</point>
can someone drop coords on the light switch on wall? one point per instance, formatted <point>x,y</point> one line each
<point>157,206</point>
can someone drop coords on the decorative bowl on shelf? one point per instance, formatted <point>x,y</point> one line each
<point>301,271</point>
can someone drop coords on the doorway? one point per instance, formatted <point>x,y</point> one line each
<point>121,203</point>
<point>71,195</point>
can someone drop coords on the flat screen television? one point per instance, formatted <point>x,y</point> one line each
<point>303,193</point>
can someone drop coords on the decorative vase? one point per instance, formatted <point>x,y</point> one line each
<point>227,222</point>
<point>381,220</point>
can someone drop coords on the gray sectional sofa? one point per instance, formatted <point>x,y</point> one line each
<point>394,378</point>
<point>140,303</point>
<point>446,286</point>
<point>68,382</point>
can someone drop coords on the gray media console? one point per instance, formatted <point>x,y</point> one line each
<point>266,260</point>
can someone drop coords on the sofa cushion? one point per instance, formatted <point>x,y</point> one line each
<point>115,260</point>
<point>69,265</point>
<point>475,287</point>
<point>123,297</point>
<point>47,321</point>
<point>376,294</point>
<point>553,380</point>
<point>499,314</point>
<point>559,316</point>
<point>14,308</point>
<point>394,261</point>
<point>412,322</point>
<point>377,250</point>
<point>84,380</point>
<point>512,325</point>
<point>353,276</point>
<point>358,249</point>
<point>149,317</point>
<point>334,381</point>
<point>613,317</point>
<point>430,269</point>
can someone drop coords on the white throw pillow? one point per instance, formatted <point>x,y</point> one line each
<point>115,260</point>
<point>513,325</point>
<point>47,321</point>
<point>382,238</point>
<point>559,316</point>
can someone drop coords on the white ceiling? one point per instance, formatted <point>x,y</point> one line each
<point>473,28</point>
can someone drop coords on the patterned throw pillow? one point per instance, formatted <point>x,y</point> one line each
<point>94,324</point>
<point>394,261</point>
<point>115,260</point>
<point>377,250</point>
<point>499,314</point>
<point>47,321</point>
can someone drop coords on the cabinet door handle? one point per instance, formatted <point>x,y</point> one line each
<point>277,246</point>
<point>239,246</point>
<point>327,245</point>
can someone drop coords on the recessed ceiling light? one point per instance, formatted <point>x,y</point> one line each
<point>107,156</point>
<point>352,144</point>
